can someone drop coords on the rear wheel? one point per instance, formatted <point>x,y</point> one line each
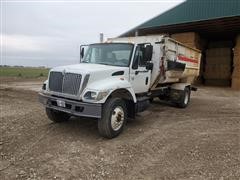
<point>57,116</point>
<point>163,97</point>
<point>184,98</point>
<point>113,119</point>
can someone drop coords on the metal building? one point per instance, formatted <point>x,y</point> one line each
<point>213,26</point>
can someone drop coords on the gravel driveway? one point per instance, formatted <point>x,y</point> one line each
<point>199,142</point>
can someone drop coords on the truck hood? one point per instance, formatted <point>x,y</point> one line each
<point>87,68</point>
<point>97,73</point>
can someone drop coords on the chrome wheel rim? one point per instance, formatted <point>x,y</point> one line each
<point>186,98</point>
<point>117,118</point>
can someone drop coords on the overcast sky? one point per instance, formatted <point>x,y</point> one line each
<point>48,33</point>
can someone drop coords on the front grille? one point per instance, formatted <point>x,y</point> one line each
<point>71,83</point>
<point>55,81</point>
<point>68,83</point>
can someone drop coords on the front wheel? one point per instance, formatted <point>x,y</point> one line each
<point>113,119</point>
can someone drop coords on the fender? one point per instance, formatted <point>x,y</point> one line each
<point>180,86</point>
<point>111,84</point>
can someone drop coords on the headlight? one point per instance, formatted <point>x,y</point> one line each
<point>95,95</point>
<point>102,95</point>
<point>90,95</point>
<point>44,86</point>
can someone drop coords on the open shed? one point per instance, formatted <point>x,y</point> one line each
<point>213,26</point>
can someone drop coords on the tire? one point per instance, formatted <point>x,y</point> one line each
<point>114,116</point>
<point>184,98</point>
<point>57,116</point>
<point>162,98</point>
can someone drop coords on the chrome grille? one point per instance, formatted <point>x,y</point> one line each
<point>55,81</point>
<point>71,83</point>
<point>68,83</point>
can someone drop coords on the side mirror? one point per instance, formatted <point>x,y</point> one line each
<point>149,66</point>
<point>148,53</point>
<point>82,52</point>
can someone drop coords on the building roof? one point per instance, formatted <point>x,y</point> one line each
<point>192,11</point>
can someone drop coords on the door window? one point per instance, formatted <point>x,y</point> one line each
<point>139,57</point>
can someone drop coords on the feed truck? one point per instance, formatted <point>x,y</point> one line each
<point>119,78</point>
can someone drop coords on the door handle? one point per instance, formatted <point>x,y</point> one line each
<point>137,72</point>
<point>146,81</point>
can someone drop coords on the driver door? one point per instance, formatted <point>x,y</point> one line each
<point>139,75</point>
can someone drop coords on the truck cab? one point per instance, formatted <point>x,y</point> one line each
<point>114,81</point>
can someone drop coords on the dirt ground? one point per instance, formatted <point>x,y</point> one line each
<point>199,142</point>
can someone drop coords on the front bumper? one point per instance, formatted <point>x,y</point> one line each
<point>73,107</point>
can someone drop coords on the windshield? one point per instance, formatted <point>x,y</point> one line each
<point>114,54</point>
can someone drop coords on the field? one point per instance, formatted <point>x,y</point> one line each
<point>199,142</point>
<point>25,72</point>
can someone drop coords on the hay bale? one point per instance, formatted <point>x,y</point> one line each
<point>220,44</point>
<point>236,50</point>
<point>236,60</point>
<point>217,71</point>
<point>238,40</point>
<point>191,39</point>
<point>219,52</point>
<point>225,60</point>
<point>236,72</point>
<point>236,55</point>
<point>187,36</point>
<point>236,83</point>
<point>218,82</point>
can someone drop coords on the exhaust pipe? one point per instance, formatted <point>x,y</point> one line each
<point>101,36</point>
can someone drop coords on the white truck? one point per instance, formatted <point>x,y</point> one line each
<point>119,78</point>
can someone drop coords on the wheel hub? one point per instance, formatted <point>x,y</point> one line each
<point>186,98</point>
<point>117,118</point>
